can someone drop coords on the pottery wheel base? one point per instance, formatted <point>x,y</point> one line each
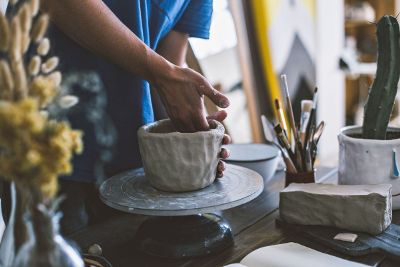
<point>184,236</point>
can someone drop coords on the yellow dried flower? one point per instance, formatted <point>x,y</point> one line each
<point>7,78</point>
<point>24,15</point>
<point>25,42</point>
<point>44,89</point>
<point>15,48</point>
<point>34,65</point>
<point>40,27</point>
<point>68,101</point>
<point>20,79</point>
<point>50,65</point>
<point>56,77</point>
<point>34,5</point>
<point>4,33</point>
<point>33,157</point>
<point>43,47</point>
<point>35,151</point>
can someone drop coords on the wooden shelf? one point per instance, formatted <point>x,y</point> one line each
<point>364,32</point>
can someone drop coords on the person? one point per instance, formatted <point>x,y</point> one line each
<point>132,45</point>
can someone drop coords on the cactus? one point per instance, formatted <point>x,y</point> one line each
<point>382,94</point>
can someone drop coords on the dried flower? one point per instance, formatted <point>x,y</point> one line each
<point>20,79</point>
<point>44,89</point>
<point>34,5</point>
<point>7,78</point>
<point>24,15</point>
<point>40,27</point>
<point>50,65</point>
<point>35,151</point>
<point>43,47</point>
<point>68,101</point>
<point>15,48</point>
<point>44,113</point>
<point>34,65</point>
<point>56,77</point>
<point>4,33</point>
<point>25,42</point>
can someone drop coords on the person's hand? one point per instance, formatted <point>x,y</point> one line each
<point>182,92</point>
<point>220,116</point>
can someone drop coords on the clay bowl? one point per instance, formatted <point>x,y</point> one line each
<point>179,162</point>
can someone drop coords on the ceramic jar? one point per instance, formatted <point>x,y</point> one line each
<point>179,162</point>
<point>366,161</point>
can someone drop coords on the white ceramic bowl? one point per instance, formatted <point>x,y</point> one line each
<point>261,158</point>
<point>179,162</point>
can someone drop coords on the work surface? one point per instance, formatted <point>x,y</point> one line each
<point>253,226</point>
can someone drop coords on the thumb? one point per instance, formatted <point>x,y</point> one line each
<point>219,99</point>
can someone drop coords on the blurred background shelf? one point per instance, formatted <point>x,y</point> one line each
<point>360,51</point>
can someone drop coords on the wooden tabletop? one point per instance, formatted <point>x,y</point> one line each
<point>253,226</point>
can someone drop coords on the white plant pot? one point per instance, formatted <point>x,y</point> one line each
<point>366,161</point>
<point>179,162</point>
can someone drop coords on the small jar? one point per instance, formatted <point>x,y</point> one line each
<point>299,177</point>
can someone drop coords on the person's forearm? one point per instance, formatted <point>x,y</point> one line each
<point>173,47</point>
<point>93,25</point>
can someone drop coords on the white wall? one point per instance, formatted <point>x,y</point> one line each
<point>223,67</point>
<point>330,80</point>
<point>3,5</point>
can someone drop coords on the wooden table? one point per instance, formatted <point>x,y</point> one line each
<point>253,225</point>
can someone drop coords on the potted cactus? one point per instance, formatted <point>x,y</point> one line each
<point>368,153</point>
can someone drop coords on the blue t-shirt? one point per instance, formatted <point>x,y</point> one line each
<point>109,94</point>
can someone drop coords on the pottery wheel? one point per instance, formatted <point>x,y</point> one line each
<point>131,192</point>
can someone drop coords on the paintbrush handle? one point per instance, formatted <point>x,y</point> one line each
<point>291,118</point>
<point>310,123</point>
<point>290,167</point>
<point>299,155</point>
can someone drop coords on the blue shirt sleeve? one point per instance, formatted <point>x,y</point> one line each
<point>196,20</point>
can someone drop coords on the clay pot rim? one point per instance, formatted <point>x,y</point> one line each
<point>357,129</point>
<point>144,131</point>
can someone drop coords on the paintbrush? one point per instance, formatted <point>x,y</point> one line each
<point>315,139</point>
<point>306,106</point>
<point>311,120</point>
<point>318,132</point>
<point>284,142</point>
<point>308,151</point>
<point>281,116</point>
<point>298,147</point>
<point>289,107</point>
<point>270,137</point>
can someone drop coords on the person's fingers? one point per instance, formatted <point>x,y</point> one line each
<point>218,116</point>
<point>183,123</point>
<point>200,122</point>
<point>226,140</point>
<point>215,96</point>
<point>220,174</point>
<point>224,153</point>
<point>221,166</point>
